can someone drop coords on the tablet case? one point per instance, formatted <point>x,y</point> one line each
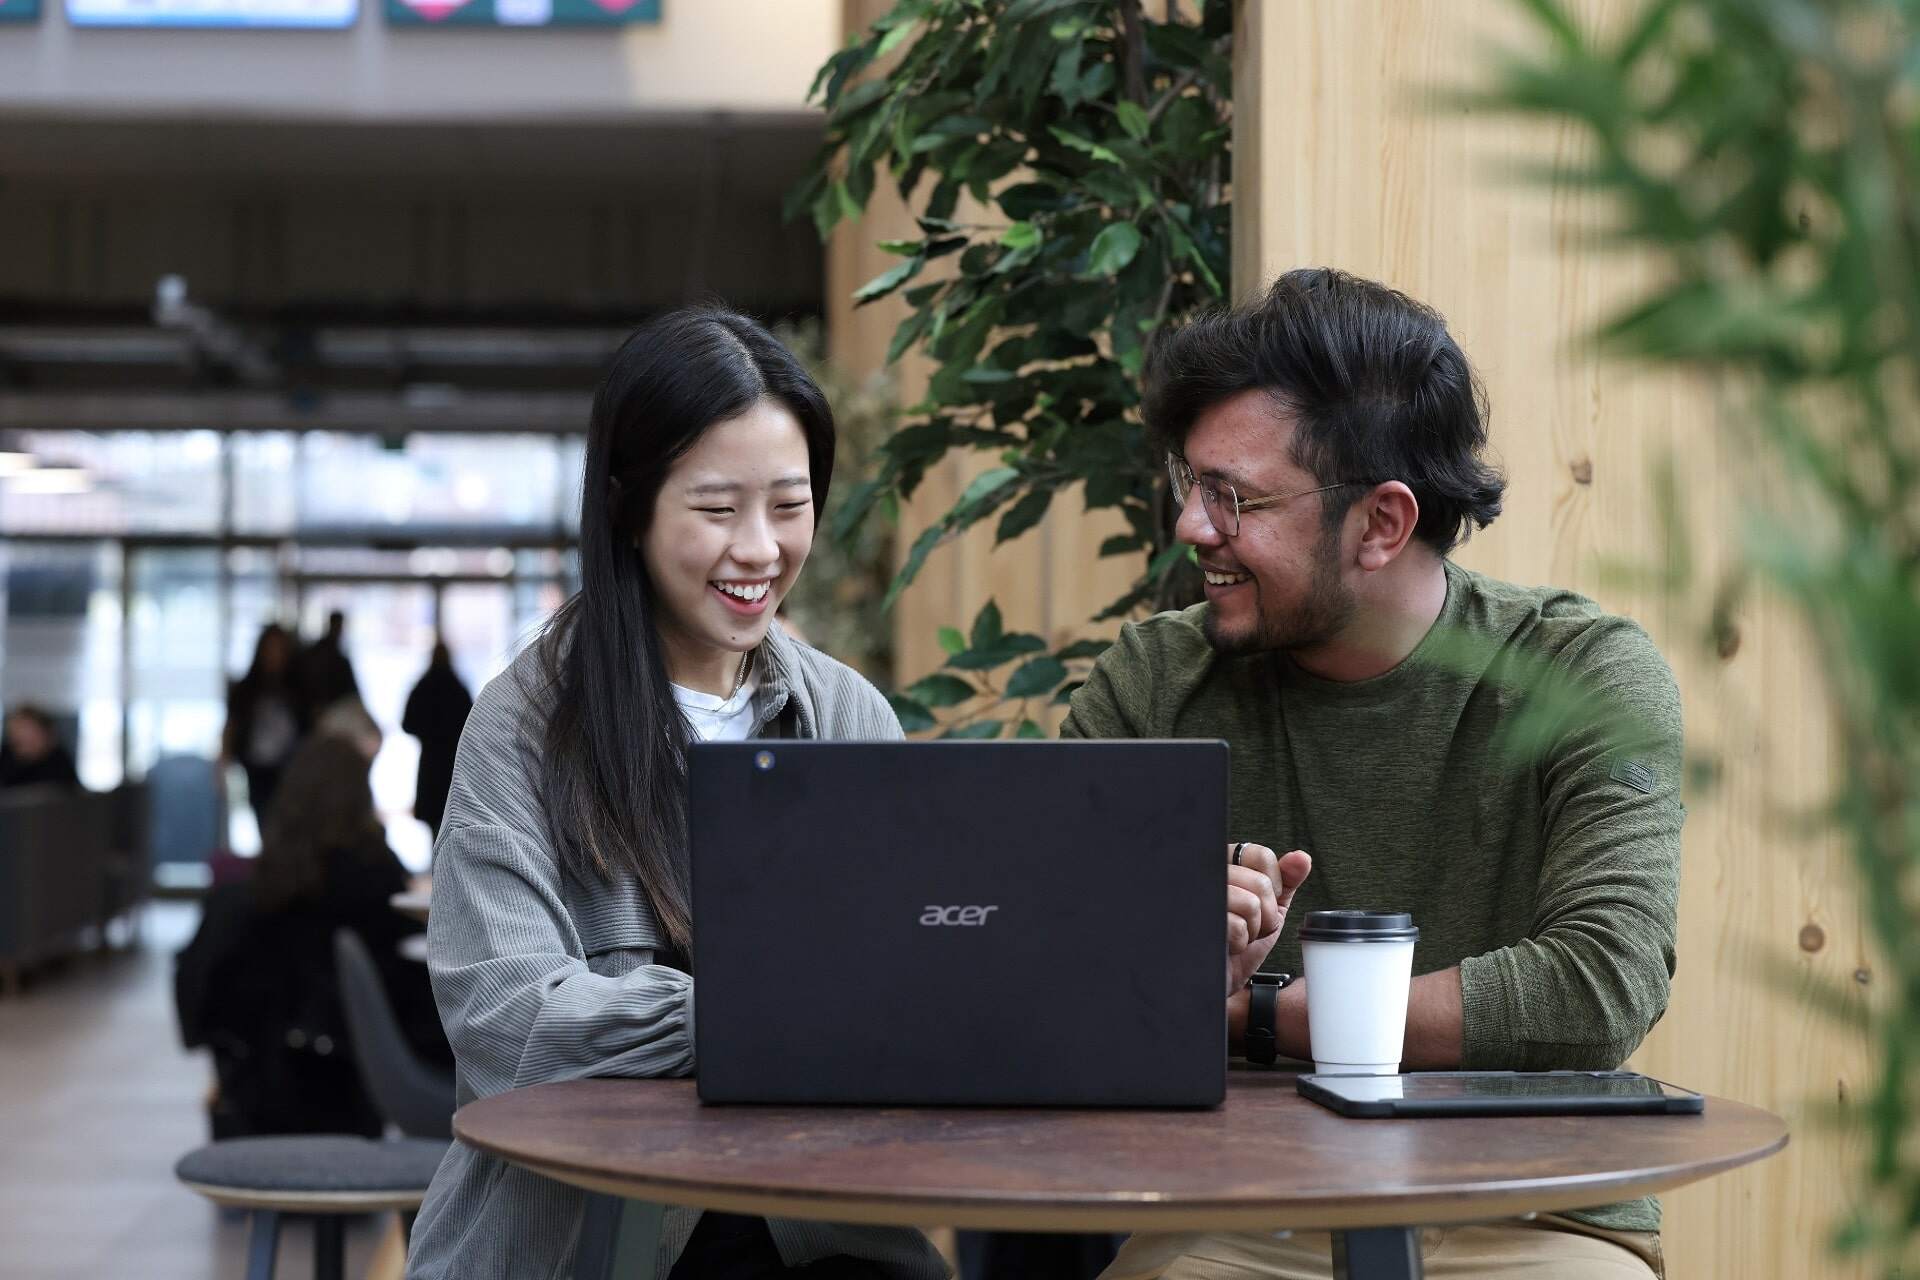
<point>1326,1090</point>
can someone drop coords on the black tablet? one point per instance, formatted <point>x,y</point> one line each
<point>1499,1093</point>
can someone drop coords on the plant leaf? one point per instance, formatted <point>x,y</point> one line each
<point>1113,249</point>
<point>889,280</point>
<point>985,485</point>
<point>1021,235</point>
<point>941,690</point>
<point>1087,145</point>
<point>913,717</point>
<point>987,627</point>
<point>895,38</point>
<point>1023,515</point>
<point>1036,677</point>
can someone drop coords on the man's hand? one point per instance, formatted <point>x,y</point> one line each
<point>1259,890</point>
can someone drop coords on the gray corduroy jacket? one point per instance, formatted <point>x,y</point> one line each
<point>540,978</point>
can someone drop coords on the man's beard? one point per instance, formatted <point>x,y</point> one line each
<point>1327,609</point>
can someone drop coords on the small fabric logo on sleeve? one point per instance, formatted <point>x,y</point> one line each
<point>1634,774</point>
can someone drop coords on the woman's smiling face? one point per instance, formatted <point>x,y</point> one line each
<point>731,527</point>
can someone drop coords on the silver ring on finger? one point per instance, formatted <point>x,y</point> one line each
<point>1236,852</point>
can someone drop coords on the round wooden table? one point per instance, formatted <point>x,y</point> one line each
<point>1267,1159</point>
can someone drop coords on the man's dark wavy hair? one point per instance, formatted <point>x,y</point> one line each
<point>1378,389</point>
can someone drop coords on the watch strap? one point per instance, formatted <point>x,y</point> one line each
<point>1263,1016</point>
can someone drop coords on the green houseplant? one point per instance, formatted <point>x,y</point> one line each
<point>1768,153</point>
<point>1068,163</point>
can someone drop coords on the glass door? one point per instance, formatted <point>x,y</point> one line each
<point>388,638</point>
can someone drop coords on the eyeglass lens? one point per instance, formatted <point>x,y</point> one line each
<point>1217,497</point>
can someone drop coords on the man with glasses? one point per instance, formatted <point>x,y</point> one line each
<point>1502,761</point>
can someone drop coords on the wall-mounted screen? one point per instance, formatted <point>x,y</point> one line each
<point>520,13</point>
<point>212,13</point>
<point>19,10</point>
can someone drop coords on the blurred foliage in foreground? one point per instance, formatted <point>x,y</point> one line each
<point>1767,152</point>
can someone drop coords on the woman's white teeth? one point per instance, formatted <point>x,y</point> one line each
<point>1225,579</point>
<point>749,592</point>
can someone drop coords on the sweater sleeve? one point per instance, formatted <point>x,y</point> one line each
<point>1591,978</point>
<point>530,988</point>
<point>1117,698</point>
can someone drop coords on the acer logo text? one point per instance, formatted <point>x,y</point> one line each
<point>956,915</point>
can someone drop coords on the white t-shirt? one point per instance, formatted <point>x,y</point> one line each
<point>718,719</point>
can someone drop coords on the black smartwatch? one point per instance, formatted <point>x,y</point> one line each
<point>1263,1016</point>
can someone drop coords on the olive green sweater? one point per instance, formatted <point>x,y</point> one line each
<point>1514,783</point>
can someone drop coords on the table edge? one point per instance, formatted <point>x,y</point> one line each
<point>1144,1213</point>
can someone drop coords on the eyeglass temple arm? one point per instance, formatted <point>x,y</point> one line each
<point>1255,504</point>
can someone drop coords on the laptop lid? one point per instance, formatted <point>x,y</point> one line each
<point>1011,923</point>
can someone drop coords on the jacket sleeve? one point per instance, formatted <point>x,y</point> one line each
<point>1592,976</point>
<point>529,991</point>
<point>521,1000</point>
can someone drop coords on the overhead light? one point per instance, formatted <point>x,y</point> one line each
<point>51,480</point>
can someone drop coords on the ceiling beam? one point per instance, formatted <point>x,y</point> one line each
<point>420,409</point>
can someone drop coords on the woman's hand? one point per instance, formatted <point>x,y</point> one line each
<point>1260,888</point>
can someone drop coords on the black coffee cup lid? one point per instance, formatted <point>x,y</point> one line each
<point>1359,926</point>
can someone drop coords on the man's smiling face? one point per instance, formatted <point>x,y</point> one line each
<point>1278,583</point>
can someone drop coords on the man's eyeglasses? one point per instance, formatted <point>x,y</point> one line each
<point>1223,505</point>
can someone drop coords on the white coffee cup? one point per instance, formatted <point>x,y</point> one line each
<point>1359,965</point>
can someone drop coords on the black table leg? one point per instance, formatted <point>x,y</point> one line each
<point>1378,1253</point>
<point>329,1257</point>
<point>618,1239</point>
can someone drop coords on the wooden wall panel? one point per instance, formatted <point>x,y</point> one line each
<point>1344,161</point>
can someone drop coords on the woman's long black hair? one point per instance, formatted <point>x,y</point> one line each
<point>614,773</point>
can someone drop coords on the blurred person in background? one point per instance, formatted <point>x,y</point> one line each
<point>349,719</point>
<point>561,929</point>
<point>266,716</point>
<point>257,984</point>
<point>436,713</point>
<point>325,675</point>
<point>31,754</point>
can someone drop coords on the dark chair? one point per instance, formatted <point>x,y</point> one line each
<point>55,847</point>
<point>410,1094</point>
<point>324,1177</point>
<point>186,823</point>
<point>129,868</point>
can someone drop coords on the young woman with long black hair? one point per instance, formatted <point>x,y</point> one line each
<point>560,927</point>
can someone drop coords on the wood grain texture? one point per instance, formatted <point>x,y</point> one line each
<point>1267,1158</point>
<point>1345,160</point>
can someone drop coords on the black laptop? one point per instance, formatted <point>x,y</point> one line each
<point>984,923</point>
